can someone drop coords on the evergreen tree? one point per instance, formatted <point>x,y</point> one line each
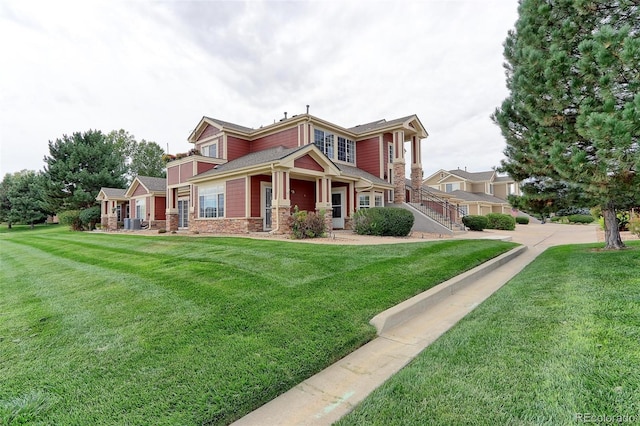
<point>573,114</point>
<point>78,166</point>
<point>25,192</point>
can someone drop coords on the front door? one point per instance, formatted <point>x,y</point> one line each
<point>267,197</point>
<point>183,214</point>
<point>337,206</point>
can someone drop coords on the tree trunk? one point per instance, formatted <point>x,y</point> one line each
<point>611,231</point>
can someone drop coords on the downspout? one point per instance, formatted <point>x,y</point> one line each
<point>277,205</point>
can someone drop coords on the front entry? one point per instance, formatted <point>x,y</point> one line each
<point>265,204</point>
<point>338,197</point>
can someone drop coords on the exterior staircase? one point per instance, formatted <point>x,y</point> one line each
<point>438,209</point>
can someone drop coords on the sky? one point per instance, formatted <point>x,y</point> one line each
<point>154,68</point>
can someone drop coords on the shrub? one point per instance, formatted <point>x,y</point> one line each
<point>307,224</point>
<point>89,217</point>
<point>475,223</point>
<point>383,221</point>
<point>522,220</point>
<point>501,221</point>
<point>71,218</point>
<point>557,219</point>
<point>580,218</point>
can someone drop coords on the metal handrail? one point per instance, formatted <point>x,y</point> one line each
<point>438,209</point>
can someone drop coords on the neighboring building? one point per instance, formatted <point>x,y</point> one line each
<point>238,179</point>
<point>476,193</point>
<point>145,199</point>
<point>148,201</point>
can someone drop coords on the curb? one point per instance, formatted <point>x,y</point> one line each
<point>410,308</point>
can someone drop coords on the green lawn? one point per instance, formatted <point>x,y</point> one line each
<point>122,329</point>
<point>559,344</point>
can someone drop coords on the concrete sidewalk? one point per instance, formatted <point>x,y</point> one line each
<point>405,330</point>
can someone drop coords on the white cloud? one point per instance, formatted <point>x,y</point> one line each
<point>154,68</point>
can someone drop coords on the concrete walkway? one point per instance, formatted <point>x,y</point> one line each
<point>405,330</point>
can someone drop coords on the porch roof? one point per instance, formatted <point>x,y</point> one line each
<point>115,194</point>
<point>477,197</point>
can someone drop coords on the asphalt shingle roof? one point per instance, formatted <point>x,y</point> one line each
<point>153,184</point>
<point>230,125</point>
<point>473,176</point>
<point>367,127</point>
<point>253,159</point>
<point>114,192</point>
<point>477,196</point>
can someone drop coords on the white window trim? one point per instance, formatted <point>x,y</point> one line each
<point>220,189</point>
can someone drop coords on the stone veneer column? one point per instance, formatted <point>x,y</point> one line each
<point>172,222</point>
<point>398,182</point>
<point>416,181</point>
<point>112,222</point>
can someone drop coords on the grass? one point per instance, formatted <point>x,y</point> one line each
<point>559,344</point>
<point>121,329</point>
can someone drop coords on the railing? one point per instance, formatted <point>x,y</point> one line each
<point>438,209</point>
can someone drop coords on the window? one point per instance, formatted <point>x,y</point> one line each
<point>450,187</point>
<point>390,153</point>
<point>511,188</point>
<point>464,210</point>
<point>378,200</point>
<point>211,201</point>
<point>140,209</point>
<point>351,151</point>
<point>324,141</point>
<point>364,201</point>
<point>491,188</point>
<point>210,150</point>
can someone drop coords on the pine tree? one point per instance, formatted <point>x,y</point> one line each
<point>573,114</point>
<point>77,167</point>
<point>24,195</point>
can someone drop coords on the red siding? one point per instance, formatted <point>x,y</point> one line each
<point>160,206</point>
<point>208,131</point>
<point>203,167</point>
<point>139,191</point>
<point>304,195</point>
<point>368,152</point>
<point>309,163</point>
<point>287,138</point>
<point>186,171</point>
<point>236,148</point>
<point>173,175</point>
<point>235,198</point>
<point>255,193</point>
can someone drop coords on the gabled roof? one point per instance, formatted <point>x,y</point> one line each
<point>251,160</point>
<point>153,185</point>
<point>406,122</point>
<point>477,196</point>
<point>473,176</point>
<point>111,194</point>
<point>285,156</point>
<point>410,122</point>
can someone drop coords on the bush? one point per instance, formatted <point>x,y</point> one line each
<point>522,220</point>
<point>501,221</point>
<point>89,217</point>
<point>580,218</point>
<point>307,224</point>
<point>475,223</point>
<point>383,221</point>
<point>71,218</point>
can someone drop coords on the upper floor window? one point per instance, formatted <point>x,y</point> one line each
<point>450,187</point>
<point>346,148</point>
<point>211,201</point>
<point>390,153</point>
<point>210,150</point>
